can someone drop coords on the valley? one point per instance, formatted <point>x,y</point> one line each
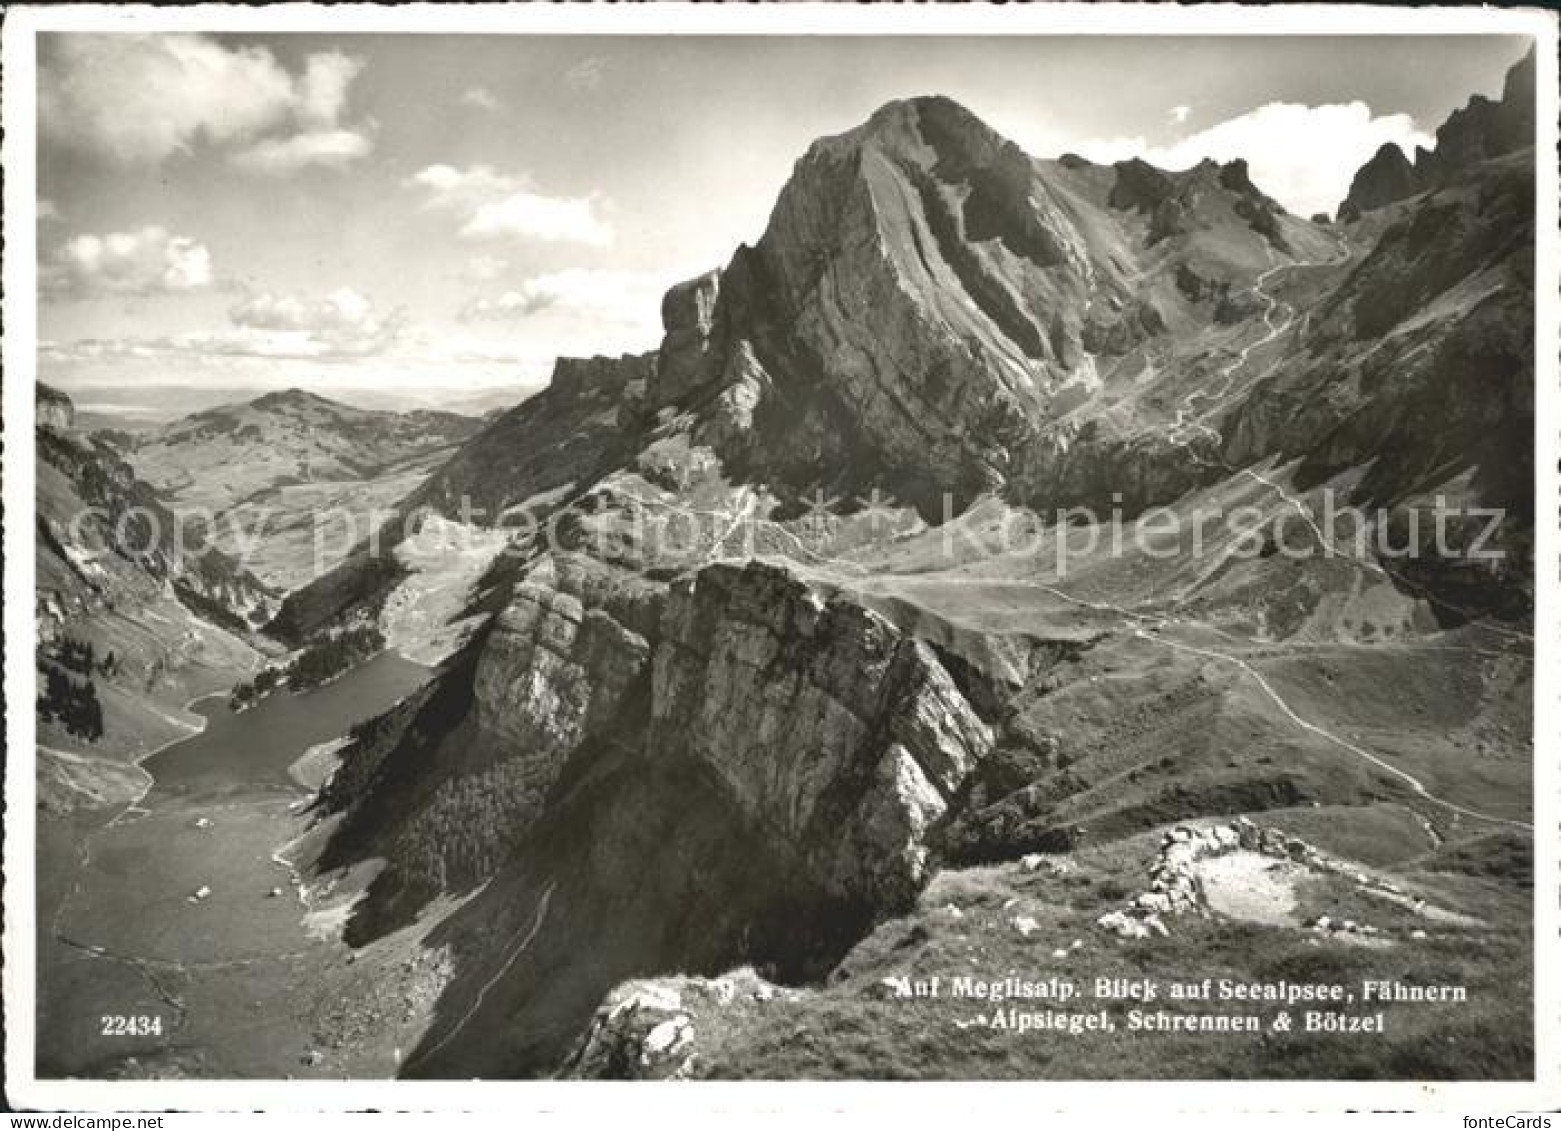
<point>290,482</point>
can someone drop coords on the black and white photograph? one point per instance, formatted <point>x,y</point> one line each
<point>786,545</point>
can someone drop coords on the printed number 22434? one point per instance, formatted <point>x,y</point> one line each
<point>139,1025</point>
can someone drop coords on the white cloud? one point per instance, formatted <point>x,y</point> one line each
<point>557,219</point>
<point>342,324</point>
<point>1303,156</point>
<point>342,339</point>
<point>485,268</point>
<point>48,212</point>
<point>463,189</point>
<point>1179,113</point>
<point>587,74</point>
<point>149,260</point>
<point>291,352</point>
<point>480,98</point>
<point>140,97</point>
<point>146,97</point>
<point>500,205</point>
<point>322,94</point>
<point>626,297</point>
<point>281,156</point>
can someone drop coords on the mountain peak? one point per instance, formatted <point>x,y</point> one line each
<point>1482,129</point>
<point>908,125</point>
<point>918,108</point>
<point>292,398</point>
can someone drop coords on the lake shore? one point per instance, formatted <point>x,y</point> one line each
<point>129,937</point>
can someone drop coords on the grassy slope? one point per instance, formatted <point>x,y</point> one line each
<point>852,1029</point>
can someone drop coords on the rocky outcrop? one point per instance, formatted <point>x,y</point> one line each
<point>552,675</point>
<point>1388,177</point>
<point>566,435</point>
<point>106,535</point>
<point>750,774</point>
<point>688,317</point>
<point>1261,212</point>
<point>926,297</point>
<point>1485,128</point>
<point>1384,387</point>
<point>54,409</point>
<point>1175,887</point>
<point>117,571</point>
<point>600,380</point>
<point>1482,130</point>
<point>828,725</point>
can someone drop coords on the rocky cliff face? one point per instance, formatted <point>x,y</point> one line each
<point>1381,378</point>
<point>104,532</point>
<point>1386,178</point>
<point>553,676</point>
<point>828,730</point>
<point>827,725</point>
<point>744,707</point>
<point>1482,130</point>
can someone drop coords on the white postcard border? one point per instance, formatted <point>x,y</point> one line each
<point>966,1101</point>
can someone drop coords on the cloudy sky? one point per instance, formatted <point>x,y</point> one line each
<point>347,212</point>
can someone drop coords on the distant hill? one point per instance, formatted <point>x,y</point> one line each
<point>225,455</point>
<point>147,407</point>
<point>291,480</point>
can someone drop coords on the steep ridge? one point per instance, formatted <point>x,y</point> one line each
<point>1440,303</point>
<point>589,412</point>
<point>1482,130</point>
<point>734,700</point>
<point>136,614</point>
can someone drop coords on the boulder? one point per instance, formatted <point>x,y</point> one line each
<point>650,1028</point>
<point>689,346</point>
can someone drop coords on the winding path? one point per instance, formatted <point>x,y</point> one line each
<point>1413,782</point>
<point>1179,435</point>
<point>1182,425</point>
<point>539,916</point>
